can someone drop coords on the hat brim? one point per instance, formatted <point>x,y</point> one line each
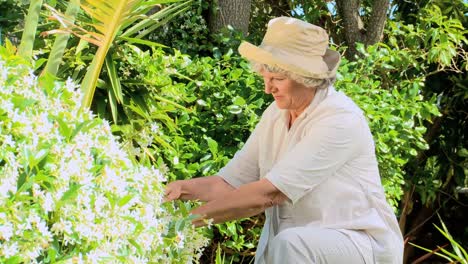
<point>320,67</point>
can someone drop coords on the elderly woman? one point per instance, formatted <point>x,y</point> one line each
<point>309,164</point>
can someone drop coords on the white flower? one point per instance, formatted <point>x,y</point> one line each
<point>3,71</point>
<point>9,184</point>
<point>159,176</point>
<point>180,239</point>
<point>70,85</point>
<point>33,253</point>
<point>138,260</point>
<point>154,127</point>
<point>48,203</point>
<point>43,229</point>
<point>85,231</point>
<point>8,140</point>
<point>62,227</point>
<point>7,105</point>
<point>112,181</point>
<point>95,256</point>
<point>42,124</point>
<point>30,79</point>
<point>145,240</point>
<point>6,231</point>
<point>9,250</point>
<point>100,203</point>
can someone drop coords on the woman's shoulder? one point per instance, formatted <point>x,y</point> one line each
<point>338,102</point>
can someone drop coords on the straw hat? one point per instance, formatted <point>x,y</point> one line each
<point>296,46</point>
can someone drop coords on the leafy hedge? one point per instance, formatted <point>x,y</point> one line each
<point>206,107</point>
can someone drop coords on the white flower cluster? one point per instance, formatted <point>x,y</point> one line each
<point>69,193</point>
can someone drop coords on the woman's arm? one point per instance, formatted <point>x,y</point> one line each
<point>248,200</point>
<point>204,189</point>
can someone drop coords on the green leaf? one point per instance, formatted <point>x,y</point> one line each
<point>64,128</point>
<point>71,193</point>
<point>136,107</point>
<point>143,42</point>
<point>124,200</point>
<point>235,74</point>
<point>218,259</point>
<point>234,109</point>
<point>85,126</point>
<point>239,101</point>
<point>115,81</point>
<point>30,28</point>
<point>206,168</point>
<point>38,157</point>
<point>179,225</point>
<point>231,228</point>
<point>445,58</point>
<point>21,180</point>
<point>431,251</point>
<point>162,99</point>
<point>60,43</point>
<point>38,63</point>
<point>113,104</point>
<point>137,246</point>
<point>82,45</point>
<point>14,260</point>
<point>213,145</point>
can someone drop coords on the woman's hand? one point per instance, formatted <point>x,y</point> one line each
<point>203,189</point>
<point>173,191</point>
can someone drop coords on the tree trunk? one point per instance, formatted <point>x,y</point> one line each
<point>354,28</point>
<point>230,12</point>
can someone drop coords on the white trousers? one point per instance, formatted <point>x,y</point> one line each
<point>306,245</point>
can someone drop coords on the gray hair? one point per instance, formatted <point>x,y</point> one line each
<point>307,81</point>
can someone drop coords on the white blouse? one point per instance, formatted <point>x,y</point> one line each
<point>326,165</point>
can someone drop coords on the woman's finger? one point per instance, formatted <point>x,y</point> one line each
<point>171,195</point>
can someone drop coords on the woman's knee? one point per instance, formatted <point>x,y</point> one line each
<point>288,246</point>
<point>313,245</point>
<point>288,237</point>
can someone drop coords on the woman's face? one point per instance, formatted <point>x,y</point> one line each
<point>288,94</point>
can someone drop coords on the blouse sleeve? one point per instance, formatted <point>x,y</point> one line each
<point>327,145</point>
<point>243,167</point>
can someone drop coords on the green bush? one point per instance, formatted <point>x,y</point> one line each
<point>395,109</point>
<point>69,192</point>
<point>11,15</point>
<point>209,106</point>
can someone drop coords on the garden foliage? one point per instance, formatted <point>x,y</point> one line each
<point>189,109</point>
<point>69,193</point>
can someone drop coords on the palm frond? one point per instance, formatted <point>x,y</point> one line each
<point>30,26</point>
<point>109,19</point>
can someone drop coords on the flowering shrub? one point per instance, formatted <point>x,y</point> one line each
<point>68,192</point>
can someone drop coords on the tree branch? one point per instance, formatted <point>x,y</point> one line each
<point>354,30</point>
<point>352,24</point>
